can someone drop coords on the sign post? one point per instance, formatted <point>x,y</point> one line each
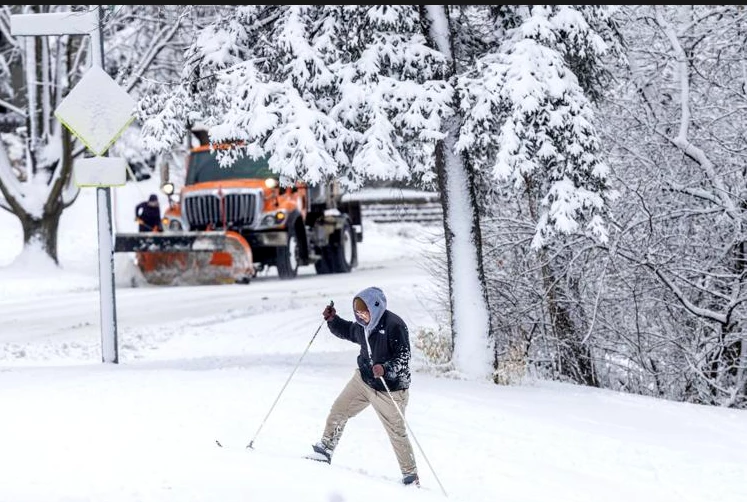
<point>97,111</point>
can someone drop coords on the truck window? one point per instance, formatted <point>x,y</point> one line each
<point>203,166</point>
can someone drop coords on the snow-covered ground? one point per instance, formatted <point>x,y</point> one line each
<point>200,364</point>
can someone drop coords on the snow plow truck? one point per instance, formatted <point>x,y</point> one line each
<point>228,223</point>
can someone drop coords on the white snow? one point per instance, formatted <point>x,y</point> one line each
<point>200,364</point>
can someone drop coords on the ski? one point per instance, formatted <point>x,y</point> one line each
<point>317,458</point>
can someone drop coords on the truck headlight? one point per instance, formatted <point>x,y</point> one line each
<point>274,219</point>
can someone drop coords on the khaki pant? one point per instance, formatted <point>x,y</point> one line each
<point>353,399</point>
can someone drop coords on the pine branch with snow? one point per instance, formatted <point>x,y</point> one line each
<point>529,122</point>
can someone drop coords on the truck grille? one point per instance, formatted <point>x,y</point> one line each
<point>203,210</point>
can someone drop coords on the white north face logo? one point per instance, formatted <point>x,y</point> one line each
<point>381,331</point>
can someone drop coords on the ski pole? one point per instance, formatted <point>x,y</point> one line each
<point>412,434</point>
<point>251,443</point>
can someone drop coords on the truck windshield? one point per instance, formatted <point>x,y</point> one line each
<point>203,166</point>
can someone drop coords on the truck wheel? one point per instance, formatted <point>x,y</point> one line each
<point>287,256</point>
<point>344,251</point>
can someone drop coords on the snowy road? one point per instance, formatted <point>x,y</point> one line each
<point>74,316</point>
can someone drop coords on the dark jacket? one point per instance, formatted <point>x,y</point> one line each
<point>150,216</point>
<point>388,339</point>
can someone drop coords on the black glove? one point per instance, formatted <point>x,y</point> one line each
<point>378,370</point>
<point>329,312</point>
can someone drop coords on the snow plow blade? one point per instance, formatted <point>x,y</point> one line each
<point>158,241</point>
<point>189,258</point>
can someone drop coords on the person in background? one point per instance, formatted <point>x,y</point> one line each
<point>382,378</point>
<point>148,215</point>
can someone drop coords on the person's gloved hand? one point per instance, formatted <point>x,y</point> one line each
<point>329,312</point>
<point>378,370</point>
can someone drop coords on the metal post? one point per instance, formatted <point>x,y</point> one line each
<point>109,344</point>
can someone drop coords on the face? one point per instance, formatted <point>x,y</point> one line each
<point>363,315</point>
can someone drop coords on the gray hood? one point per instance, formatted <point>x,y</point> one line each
<point>375,300</point>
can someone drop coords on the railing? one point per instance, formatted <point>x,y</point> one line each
<point>396,212</point>
<point>391,205</point>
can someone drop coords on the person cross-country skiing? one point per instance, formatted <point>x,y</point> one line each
<point>385,353</point>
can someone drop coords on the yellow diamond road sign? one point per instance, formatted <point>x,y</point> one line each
<point>97,110</point>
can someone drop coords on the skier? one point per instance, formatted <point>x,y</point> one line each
<point>148,215</point>
<point>384,357</point>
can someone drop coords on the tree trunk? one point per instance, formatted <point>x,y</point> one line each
<point>725,363</point>
<point>472,342</point>
<point>448,235</point>
<point>473,351</point>
<point>573,358</point>
<point>42,231</point>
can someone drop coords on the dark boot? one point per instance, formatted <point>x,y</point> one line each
<point>411,479</point>
<point>321,453</point>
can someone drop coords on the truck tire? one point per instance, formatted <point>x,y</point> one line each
<point>287,256</point>
<point>343,252</point>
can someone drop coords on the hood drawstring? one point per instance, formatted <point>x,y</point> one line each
<point>368,347</point>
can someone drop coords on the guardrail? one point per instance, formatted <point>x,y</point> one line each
<point>396,212</point>
<point>392,205</point>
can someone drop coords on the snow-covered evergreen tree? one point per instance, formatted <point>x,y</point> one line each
<point>529,131</point>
